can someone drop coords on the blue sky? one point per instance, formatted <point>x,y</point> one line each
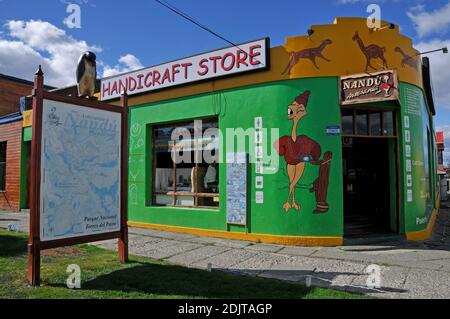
<point>135,33</point>
<point>154,34</point>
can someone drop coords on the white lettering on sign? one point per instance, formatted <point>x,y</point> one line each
<point>233,60</point>
<point>421,221</point>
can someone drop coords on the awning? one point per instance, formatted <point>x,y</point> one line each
<point>11,118</point>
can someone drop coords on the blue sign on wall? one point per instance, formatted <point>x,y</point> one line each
<point>333,130</point>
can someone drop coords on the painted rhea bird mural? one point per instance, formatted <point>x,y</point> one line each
<point>311,54</point>
<point>407,59</point>
<point>371,52</point>
<point>298,150</point>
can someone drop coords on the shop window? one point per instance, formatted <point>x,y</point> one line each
<point>362,123</point>
<point>365,123</point>
<point>375,124</point>
<point>164,172</point>
<point>388,124</point>
<point>2,166</point>
<point>347,122</point>
<point>186,172</point>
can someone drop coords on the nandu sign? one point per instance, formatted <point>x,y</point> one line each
<point>364,88</point>
<point>238,59</point>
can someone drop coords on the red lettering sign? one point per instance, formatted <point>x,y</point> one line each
<point>242,58</point>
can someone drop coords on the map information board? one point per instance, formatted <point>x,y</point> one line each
<point>80,171</point>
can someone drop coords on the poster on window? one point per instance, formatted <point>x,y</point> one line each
<point>237,170</point>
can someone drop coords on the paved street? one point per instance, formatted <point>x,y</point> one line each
<point>409,269</point>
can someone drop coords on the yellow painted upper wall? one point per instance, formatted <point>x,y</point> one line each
<point>349,56</point>
<point>345,54</point>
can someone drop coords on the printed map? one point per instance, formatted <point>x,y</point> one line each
<point>80,171</point>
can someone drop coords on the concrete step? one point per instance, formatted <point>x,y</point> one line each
<point>375,239</point>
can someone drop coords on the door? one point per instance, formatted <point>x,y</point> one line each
<point>370,173</point>
<point>367,193</point>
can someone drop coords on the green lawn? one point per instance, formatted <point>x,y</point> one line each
<point>104,277</point>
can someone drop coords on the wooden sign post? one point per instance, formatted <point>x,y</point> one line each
<point>119,229</point>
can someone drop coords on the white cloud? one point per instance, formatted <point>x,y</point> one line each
<point>440,63</point>
<point>31,43</point>
<point>26,44</point>
<point>428,23</point>
<point>18,59</point>
<point>127,63</point>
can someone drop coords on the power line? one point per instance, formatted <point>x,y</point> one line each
<point>195,22</point>
<point>192,20</point>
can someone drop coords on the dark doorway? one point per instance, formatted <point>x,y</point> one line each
<point>369,190</point>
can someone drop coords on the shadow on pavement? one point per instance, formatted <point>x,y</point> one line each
<point>179,281</point>
<point>328,280</point>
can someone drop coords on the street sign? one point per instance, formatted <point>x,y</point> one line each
<point>334,130</point>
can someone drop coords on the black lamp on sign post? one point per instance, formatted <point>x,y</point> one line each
<point>444,51</point>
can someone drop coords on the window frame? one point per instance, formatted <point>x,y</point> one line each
<point>3,148</point>
<point>174,194</point>
<point>356,111</point>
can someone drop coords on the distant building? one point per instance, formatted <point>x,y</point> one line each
<point>442,171</point>
<point>12,160</point>
<point>440,141</point>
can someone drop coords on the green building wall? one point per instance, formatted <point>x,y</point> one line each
<point>26,139</point>
<point>238,108</point>
<point>416,214</point>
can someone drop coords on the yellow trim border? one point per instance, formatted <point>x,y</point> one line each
<point>259,238</point>
<point>426,233</point>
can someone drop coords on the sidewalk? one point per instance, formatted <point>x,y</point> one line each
<point>409,269</point>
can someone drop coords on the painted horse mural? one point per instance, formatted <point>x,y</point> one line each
<point>309,54</point>
<point>299,150</point>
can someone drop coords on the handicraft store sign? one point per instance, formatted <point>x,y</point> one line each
<point>374,87</point>
<point>242,58</point>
